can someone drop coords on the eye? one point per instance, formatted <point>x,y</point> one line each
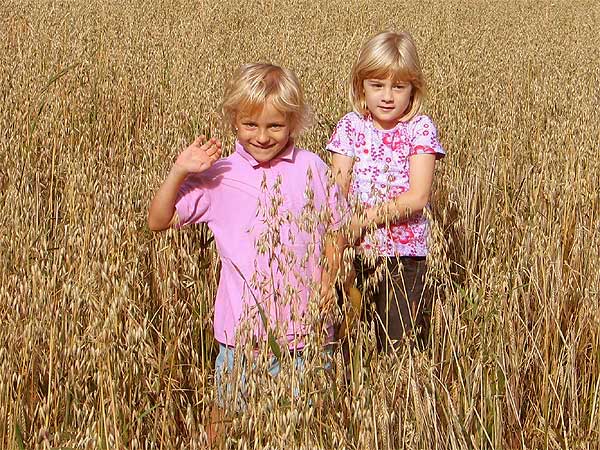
<point>249,124</point>
<point>400,86</point>
<point>374,84</point>
<point>277,126</point>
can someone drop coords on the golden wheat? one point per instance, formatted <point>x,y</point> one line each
<point>106,328</point>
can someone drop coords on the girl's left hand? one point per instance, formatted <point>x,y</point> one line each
<point>356,229</point>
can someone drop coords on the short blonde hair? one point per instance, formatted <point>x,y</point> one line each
<point>252,85</point>
<point>388,55</point>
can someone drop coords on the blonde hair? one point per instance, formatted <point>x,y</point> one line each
<point>252,85</point>
<point>388,55</point>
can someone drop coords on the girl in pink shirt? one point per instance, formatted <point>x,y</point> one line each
<point>271,208</point>
<point>384,154</point>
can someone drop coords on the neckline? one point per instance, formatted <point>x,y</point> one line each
<point>371,123</point>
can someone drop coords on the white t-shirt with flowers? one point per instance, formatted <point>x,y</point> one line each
<point>381,172</point>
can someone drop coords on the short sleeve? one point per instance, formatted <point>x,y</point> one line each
<point>343,139</point>
<point>425,138</point>
<point>193,202</point>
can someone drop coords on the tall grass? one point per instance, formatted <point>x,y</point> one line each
<point>105,335</point>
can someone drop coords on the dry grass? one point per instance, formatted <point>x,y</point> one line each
<point>106,327</point>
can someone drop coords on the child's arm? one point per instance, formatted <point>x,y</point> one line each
<point>342,166</point>
<point>342,171</point>
<point>196,158</point>
<point>405,205</point>
<point>334,247</point>
<point>335,241</point>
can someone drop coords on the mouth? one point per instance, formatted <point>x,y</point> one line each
<point>263,147</point>
<point>386,108</point>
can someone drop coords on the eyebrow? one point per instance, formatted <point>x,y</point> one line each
<point>270,124</point>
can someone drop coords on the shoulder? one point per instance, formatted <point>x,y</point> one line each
<point>206,180</point>
<point>353,116</point>
<point>346,132</point>
<point>233,160</point>
<point>424,137</point>
<point>307,158</point>
<point>310,169</point>
<point>353,119</point>
<point>309,162</point>
<point>219,167</point>
<point>421,121</point>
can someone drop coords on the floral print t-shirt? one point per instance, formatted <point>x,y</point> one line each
<point>380,173</point>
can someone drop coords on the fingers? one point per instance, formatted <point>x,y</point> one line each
<point>327,299</point>
<point>216,155</point>
<point>209,144</point>
<point>211,147</point>
<point>214,148</point>
<point>199,140</point>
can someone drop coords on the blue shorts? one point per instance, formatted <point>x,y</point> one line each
<point>230,374</point>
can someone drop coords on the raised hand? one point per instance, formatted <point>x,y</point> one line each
<point>199,155</point>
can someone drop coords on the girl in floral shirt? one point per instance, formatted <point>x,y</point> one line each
<point>384,155</point>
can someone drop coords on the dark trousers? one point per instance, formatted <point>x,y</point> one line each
<point>402,302</point>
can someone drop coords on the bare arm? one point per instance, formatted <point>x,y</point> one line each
<point>161,214</point>
<point>196,158</point>
<point>336,243</point>
<point>342,171</point>
<point>334,247</point>
<point>405,205</point>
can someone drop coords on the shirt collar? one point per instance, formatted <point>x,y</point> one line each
<point>287,154</point>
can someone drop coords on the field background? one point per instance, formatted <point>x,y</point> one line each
<point>105,327</point>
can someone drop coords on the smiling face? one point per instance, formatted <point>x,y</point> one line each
<point>263,133</point>
<point>387,101</point>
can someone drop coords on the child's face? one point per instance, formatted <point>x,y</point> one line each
<point>387,101</point>
<point>263,133</point>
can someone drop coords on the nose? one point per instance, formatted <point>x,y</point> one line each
<point>387,94</point>
<point>262,137</point>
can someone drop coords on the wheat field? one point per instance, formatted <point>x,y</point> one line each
<point>105,327</point>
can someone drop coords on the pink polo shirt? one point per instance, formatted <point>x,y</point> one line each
<point>269,220</point>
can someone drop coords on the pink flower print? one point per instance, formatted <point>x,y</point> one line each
<point>388,139</point>
<point>333,136</point>
<point>388,159</point>
<point>360,140</point>
<point>387,247</point>
<point>397,140</point>
<point>420,149</point>
<point>349,129</point>
<point>366,151</point>
<point>402,234</point>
